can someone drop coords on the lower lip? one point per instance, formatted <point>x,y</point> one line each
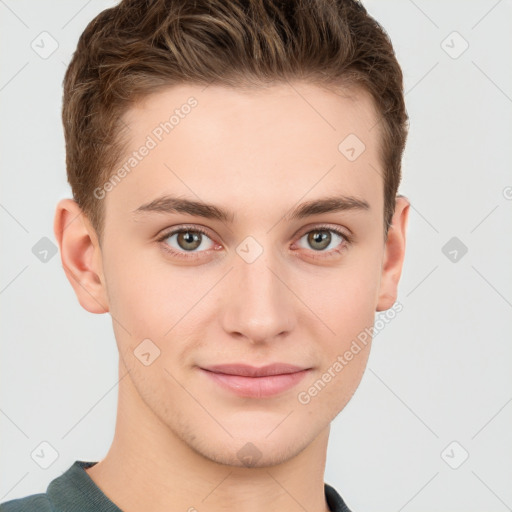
<point>257,387</point>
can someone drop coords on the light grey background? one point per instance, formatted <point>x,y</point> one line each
<point>439,373</point>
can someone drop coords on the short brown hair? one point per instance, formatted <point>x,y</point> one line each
<point>142,46</point>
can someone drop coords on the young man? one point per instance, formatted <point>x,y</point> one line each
<point>234,168</point>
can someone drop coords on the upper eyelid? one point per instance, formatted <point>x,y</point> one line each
<point>326,227</point>
<point>176,230</point>
<point>205,230</point>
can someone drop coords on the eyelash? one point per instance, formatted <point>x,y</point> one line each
<point>196,229</point>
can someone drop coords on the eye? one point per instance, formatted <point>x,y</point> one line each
<point>186,240</point>
<point>322,237</point>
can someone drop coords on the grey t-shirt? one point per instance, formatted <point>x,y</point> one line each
<point>75,491</point>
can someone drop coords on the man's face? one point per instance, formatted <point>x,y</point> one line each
<point>260,286</point>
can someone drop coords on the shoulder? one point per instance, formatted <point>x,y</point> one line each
<point>32,503</point>
<point>334,501</point>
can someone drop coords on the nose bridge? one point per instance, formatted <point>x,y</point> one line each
<point>259,305</point>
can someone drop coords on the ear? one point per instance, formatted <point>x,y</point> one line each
<point>394,253</point>
<point>80,255</point>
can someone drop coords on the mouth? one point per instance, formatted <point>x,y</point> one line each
<point>249,381</point>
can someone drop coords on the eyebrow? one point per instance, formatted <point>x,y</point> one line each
<point>172,204</point>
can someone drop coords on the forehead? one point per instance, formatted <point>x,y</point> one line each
<point>249,147</point>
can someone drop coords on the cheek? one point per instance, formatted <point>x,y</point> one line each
<point>345,298</point>
<point>149,298</point>
<point>142,297</point>
<point>347,307</point>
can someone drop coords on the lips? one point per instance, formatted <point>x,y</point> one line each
<point>246,370</point>
<point>250,381</point>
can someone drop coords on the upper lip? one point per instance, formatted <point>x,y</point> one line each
<point>253,371</point>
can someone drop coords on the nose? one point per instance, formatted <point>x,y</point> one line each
<point>259,305</point>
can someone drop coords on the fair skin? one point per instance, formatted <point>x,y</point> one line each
<point>257,154</point>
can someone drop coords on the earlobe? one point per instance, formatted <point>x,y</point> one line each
<point>80,256</point>
<point>394,254</point>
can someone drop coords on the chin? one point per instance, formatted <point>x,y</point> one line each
<point>259,451</point>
